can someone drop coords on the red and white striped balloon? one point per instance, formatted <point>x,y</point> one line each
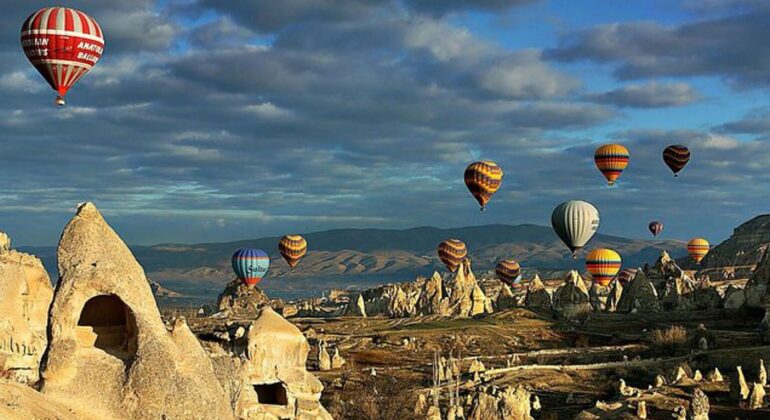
<point>63,44</point>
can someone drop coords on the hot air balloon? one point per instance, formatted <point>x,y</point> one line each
<point>655,227</point>
<point>611,159</point>
<point>452,252</point>
<point>63,44</point>
<point>250,265</point>
<point>575,222</point>
<point>509,272</point>
<point>626,275</point>
<point>676,157</point>
<point>697,248</point>
<point>483,179</point>
<point>603,264</point>
<point>292,249</point>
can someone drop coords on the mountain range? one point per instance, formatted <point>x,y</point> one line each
<point>365,257</point>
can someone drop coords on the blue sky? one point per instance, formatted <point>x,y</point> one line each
<point>213,121</point>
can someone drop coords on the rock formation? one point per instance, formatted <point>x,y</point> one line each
<point>571,300</point>
<point>508,403</point>
<point>337,360</point>
<point>699,405</point>
<point>739,390</point>
<point>272,380</point>
<point>324,360</point>
<point>459,295</point>
<point>616,291</point>
<point>537,297</point>
<point>715,376</point>
<point>506,299</point>
<point>240,300</point>
<point>25,295</point>
<point>757,287</point>
<point>757,396</point>
<point>639,295</point>
<point>598,296</point>
<point>108,348</point>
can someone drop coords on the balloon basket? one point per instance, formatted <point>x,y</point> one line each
<point>60,102</point>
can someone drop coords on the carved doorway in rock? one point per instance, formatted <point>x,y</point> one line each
<point>271,394</point>
<point>106,323</point>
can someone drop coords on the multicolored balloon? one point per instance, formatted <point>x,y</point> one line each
<point>611,159</point>
<point>509,272</point>
<point>292,249</point>
<point>63,44</point>
<point>483,179</point>
<point>626,275</point>
<point>452,252</point>
<point>655,227</point>
<point>575,222</point>
<point>697,248</point>
<point>250,265</point>
<point>676,157</point>
<point>603,264</point>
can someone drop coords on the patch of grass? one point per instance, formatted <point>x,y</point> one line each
<point>669,340</point>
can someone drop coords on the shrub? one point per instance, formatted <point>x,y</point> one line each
<point>669,340</point>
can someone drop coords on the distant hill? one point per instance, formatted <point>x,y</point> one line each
<point>743,249</point>
<point>363,257</point>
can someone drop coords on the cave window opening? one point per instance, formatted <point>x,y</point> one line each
<point>106,323</point>
<point>272,394</point>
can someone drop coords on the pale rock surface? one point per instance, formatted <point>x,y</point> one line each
<point>715,376</point>
<point>697,376</point>
<point>571,299</point>
<point>337,360</point>
<point>757,287</point>
<point>272,381</point>
<point>641,410</point>
<point>508,403</point>
<point>537,296</point>
<point>476,366</point>
<point>598,296</point>
<point>757,396</point>
<point>324,360</point>
<point>25,296</point>
<point>240,300</point>
<point>739,389</point>
<point>699,405</point>
<point>762,374</point>
<point>108,348</point>
<point>616,291</point>
<point>639,295</point>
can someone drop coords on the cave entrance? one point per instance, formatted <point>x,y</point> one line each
<point>106,323</point>
<point>272,394</point>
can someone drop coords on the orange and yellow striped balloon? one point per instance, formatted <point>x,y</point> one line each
<point>697,248</point>
<point>611,159</point>
<point>483,179</point>
<point>292,249</point>
<point>603,264</point>
<point>509,272</point>
<point>452,252</point>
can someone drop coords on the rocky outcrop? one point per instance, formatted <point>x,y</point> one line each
<point>272,381</point>
<point>25,295</point>
<point>616,291</point>
<point>459,295</point>
<point>739,389</point>
<point>506,299</point>
<point>571,300</point>
<point>757,287</point>
<point>508,403</point>
<point>537,296</point>
<point>108,348</point>
<point>598,295</point>
<point>639,295</point>
<point>699,405</point>
<point>240,300</point>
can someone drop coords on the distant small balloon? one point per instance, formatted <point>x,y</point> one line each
<point>250,265</point>
<point>603,264</point>
<point>655,227</point>
<point>483,179</point>
<point>611,159</point>
<point>292,249</point>
<point>676,157</point>
<point>452,252</point>
<point>698,248</point>
<point>509,272</point>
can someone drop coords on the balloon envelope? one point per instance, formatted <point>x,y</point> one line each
<point>626,275</point>
<point>250,265</point>
<point>63,44</point>
<point>483,179</point>
<point>292,249</point>
<point>676,157</point>
<point>509,272</point>
<point>611,159</point>
<point>452,252</point>
<point>655,227</point>
<point>603,264</point>
<point>697,248</point>
<point>575,222</point>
